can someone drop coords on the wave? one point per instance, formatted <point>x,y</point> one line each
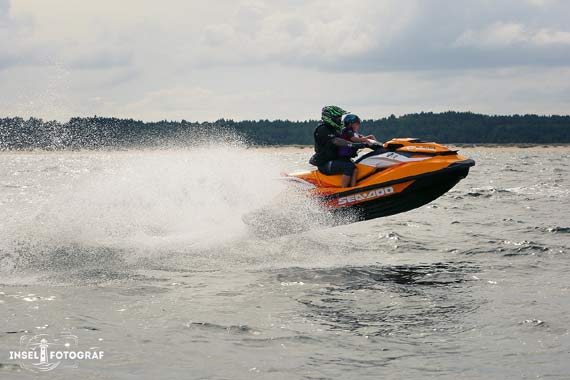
<point>558,230</point>
<point>136,204</point>
<point>550,190</point>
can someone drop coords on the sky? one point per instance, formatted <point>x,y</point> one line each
<point>249,59</point>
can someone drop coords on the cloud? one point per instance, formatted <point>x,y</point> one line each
<point>340,35</point>
<point>542,3</point>
<point>500,35</point>
<point>15,45</point>
<point>4,13</point>
<point>218,34</point>
<point>282,58</point>
<point>314,33</point>
<point>100,58</point>
<point>390,35</point>
<point>548,36</point>
<point>496,35</point>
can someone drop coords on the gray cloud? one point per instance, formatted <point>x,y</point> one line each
<point>368,35</point>
<point>253,58</point>
<point>4,12</point>
<point>17,46</point>
<point>478,34</point>
<point>412,35</point>
<point>101,59</point>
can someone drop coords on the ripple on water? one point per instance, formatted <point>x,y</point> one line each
<point>378,301</point>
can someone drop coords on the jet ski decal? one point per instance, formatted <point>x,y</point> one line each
<point>342,200</point>
<point>365,196</point>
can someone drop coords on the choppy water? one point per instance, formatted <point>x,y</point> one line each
<point>145,256</point>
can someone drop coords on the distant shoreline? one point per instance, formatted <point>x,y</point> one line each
<point>113,133</point>
<point>143,149</point>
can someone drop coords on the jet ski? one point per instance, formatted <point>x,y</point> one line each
<point>397,176</point>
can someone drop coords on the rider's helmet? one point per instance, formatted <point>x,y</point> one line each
<point>350,119</point>
<point>333,115</point>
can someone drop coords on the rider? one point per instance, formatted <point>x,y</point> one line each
<point>327,141</point>
<point>351,124</point>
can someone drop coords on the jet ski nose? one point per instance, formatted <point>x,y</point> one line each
<point>463,163</point>
<point>461,168</point>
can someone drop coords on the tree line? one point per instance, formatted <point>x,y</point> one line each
<point>448,127</point>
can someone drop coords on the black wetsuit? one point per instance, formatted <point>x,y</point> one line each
<point>326,156</point>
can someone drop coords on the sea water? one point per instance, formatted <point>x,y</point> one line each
<point>144,255</point>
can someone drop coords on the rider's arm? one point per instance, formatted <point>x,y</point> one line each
<point>340,142</point>
<point>359,139</point>
<point>350,138</point>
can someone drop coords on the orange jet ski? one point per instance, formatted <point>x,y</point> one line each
<point>398,176</point>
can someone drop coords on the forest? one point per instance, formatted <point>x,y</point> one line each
<point>112,133</point>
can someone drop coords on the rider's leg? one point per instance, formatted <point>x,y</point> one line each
<point>348,171</point>
<point>340,166</point>
<point>354,176</point>
<point>346,180</point>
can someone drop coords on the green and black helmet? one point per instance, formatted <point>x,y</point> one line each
<point>333,115</point>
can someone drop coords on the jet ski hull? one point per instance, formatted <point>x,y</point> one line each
<point>421,191</point>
